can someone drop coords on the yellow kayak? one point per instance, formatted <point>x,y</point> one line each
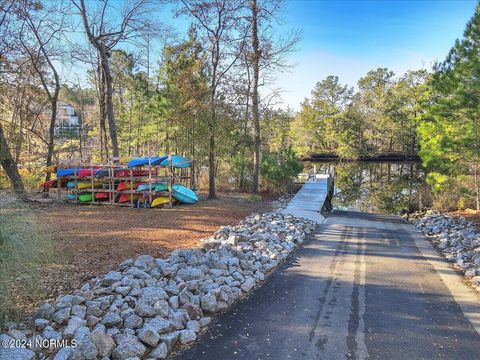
<point>84,184</point>
<point>124,159</point>
<point>51,169</point>
<point>161,200</point>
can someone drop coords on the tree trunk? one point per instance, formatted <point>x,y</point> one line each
<point>103,113</point>
<point>255,114</point>
<point>53,119</point>
<point>211,154</point>
<point>112,127</point>
<point>10,167</point>
<point>51,135</point>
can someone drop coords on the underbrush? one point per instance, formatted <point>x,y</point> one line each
<point>24,250</point>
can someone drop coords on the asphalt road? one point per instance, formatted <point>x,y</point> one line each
<point>360,288</point>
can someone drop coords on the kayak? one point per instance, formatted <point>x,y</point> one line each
<point>86,172</point>
<point>124,159</point>
<point>101,196</point>
<point>161,187</point>
<point>123,198</point>
<point>53,183</point>
<point>184,194</point>
<point>161,200</point>
<point>135,172</point>
<point>106,172</point>
<point>84,184</point>
<point>177,162</point>
<point>85,197</point>
<point>156,160</point>
<point>51,169</point>
<point>127,186</point>
<point>65,172</point>
<point>153,187</point>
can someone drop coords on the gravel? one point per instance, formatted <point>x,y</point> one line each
<point>149,306</point>
<point>456,238</point>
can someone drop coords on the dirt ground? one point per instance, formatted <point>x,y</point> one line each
<point>92,240</point>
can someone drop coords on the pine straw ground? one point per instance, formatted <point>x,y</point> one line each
<point>91,240</point>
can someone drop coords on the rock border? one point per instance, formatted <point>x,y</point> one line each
<point>148,307</point>
<point>457,239</point>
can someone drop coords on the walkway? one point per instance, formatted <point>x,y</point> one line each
<point>309,201</point>
<point>363,286</point>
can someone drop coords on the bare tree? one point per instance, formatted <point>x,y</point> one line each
<point>8,11</point>
<point>255,115</point>
<point>268,55</point>
<point>41,38</point>
<point>106,27</point>
<point>10,166</point>
<point>220,23</point>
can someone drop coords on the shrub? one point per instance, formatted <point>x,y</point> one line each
<point>279,169</point>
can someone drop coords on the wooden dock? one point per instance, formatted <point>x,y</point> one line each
<point>311,199</point>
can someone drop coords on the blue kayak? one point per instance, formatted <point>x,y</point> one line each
<point>65,172</point>
<point>161,187</point>
<point>156,160</point>
<point>184,194</point>
<point>177,162</point>
<point>105,172</point>
<point>147,187</point>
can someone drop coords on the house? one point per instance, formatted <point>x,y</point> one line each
<point>68,122</point>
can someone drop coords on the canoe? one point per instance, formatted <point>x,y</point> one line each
<point>101,196</point>
<point>156,160</point>
<point>184,194</point>
<point>84,184</point>
<point>177,162</point>
<point>71,196</point>
<point>161,187</point>
<point>123,198</point>
<point>161,200</point>
<point>127,186</point>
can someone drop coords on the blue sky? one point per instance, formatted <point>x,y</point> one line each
<point>349,38</point>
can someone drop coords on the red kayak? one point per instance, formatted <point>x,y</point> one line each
<point>86,172</point>
<point>127,186</point>
<point>136,172</point>
<point>53,183</point>
<point>127,197</point>
<point>101,196</point>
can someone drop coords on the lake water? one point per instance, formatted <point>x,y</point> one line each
<point>389,188</point>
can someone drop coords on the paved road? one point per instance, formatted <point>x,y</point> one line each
<point>360,288</point>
